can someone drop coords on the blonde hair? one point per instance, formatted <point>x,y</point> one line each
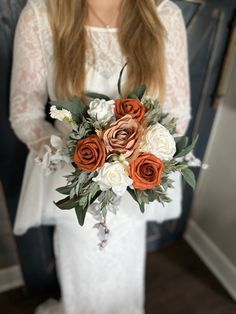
<point>141,38</point>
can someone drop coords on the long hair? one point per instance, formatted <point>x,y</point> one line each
<point>141,37</point>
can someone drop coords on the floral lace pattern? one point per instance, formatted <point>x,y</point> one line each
<point>108,56</point>
<point>177,98</point>
<point>28,85</point>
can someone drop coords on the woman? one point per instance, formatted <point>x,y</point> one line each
<point>62,49</point>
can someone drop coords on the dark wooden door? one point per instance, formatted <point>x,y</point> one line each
<point>209,24</point>
<point>35,248</point>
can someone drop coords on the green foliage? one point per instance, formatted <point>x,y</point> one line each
<point>106,199</point>
<point>84,129</point>
<point>66,203</point>
<point>158,193</point>
<point>138,92</point>
<point>187,149</point>
<point>139,197</point>
<point>81,191</point>
<point>97,95</point>
<point>80,214</point>
<point>86,197</point>
<point>77,108</point>
<point>170,125</point>
<point>99,125</point>
<point>183,168</point>
<point>154,111</point>
<point>181,143</point>
<point>155,115</point>
<point>189,177</point>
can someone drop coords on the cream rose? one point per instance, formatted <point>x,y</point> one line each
<point>102,110</point>
<point>158,141</point>
<point>113,176</point>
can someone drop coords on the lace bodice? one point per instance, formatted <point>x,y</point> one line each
<point>32,72</point>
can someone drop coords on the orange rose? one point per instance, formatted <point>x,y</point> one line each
<point>146,171</point>
<point>90,153</point>
<point>132,107</point>
<point>123,137</point>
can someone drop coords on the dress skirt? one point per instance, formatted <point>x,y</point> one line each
<point>93,280</point>
<point>101,281</point>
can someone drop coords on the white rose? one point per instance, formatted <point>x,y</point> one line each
<point>113,176</point>
<point>158,141</point>
<point>60,114</point>
<point>101,110</point>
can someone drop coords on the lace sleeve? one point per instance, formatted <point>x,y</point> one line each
<point>28,94</point>
<point>177,98</point>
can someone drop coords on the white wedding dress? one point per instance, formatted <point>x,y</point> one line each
<point>93,281</point>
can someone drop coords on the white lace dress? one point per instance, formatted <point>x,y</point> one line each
<point>93,281</point>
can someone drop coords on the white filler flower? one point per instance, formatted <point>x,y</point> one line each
<point>158,141</point>
<point>61,115</point>
<point>101,110</point>
<point>113,176</point>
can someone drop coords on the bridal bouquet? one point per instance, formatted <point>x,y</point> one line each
<point>117,146</point>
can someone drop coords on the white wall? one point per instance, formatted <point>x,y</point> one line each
<point>212,226</point>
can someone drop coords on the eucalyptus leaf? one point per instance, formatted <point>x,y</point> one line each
<point>97,95</point>
<point>142,207</point>
<point>94,192</point>
<point>170,183</point>
<point>189,177</point>
<point>105,199</point>
<point>181,143</point>
<point>170,125</point>
<point>71,177</point>
<point>154,111</point>
<point>138,92</point>
<point>65,189</point>
<point>85,128</point>
<point>188,149</point>
<point>77,188</point>
<point>132,96</point>
<point>136,198</point>
<point>83,201</point>
<point>152,195</point>
<point>104,211</point>
<point>132,193</point>
<point>166,199</point>
<point>66,203</point>
<point>72,193</point>
<point>80,213</point>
